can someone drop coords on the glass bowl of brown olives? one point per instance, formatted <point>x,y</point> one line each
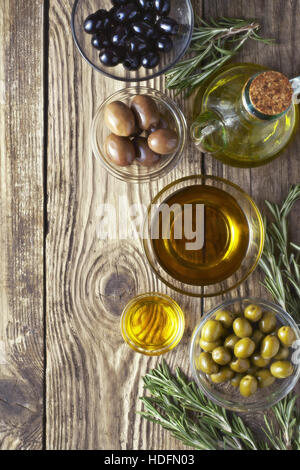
<point>138,134</point>
<point>132,40</point>
<point>245,354</point>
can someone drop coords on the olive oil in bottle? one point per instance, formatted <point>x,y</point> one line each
<point>152,324</point>
<point>226,237</point>
<point>246,116</point>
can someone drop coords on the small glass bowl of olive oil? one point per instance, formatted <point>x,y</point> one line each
<point>152,324</point>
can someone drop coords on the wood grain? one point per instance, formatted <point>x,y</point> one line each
<point>93,379</point>
<point>21,226</point>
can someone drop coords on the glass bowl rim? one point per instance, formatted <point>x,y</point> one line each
<point>177,114</point>
<point>136,79</point>
<point>261,226</point>
<point>179,334</point>
<point>253,407</point>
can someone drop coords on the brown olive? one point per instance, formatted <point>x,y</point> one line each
<point>231,341</point>
<point>286,335</point>
<point>248,386</point>
<point>206,364</point>
<point>268,322</point>
<point>282,354</point>
<point>264,378</point>
<point>242,328</point>
<point>163,141</point>
<point>282,369</point>
<point>226,318</point>
<point>163,123</point>
<point>221,356</point>
<point>244,348</point>
<point>144,154</point>
<point>257,337</point>
<point>209,346</point>
<point>253,313</point>
<point>145,111</point>
<point>269,347</point>
<point>119,119</point>
<point>212,330</point>
<point>259,361</point>
<point>240,365</point>
<point>224,374</point>
<point>120,150</point>
<point>235,382</point>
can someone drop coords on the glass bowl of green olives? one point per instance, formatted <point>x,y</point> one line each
<point>132,40</point>
<point>138,134</point>
<point>245,354</point>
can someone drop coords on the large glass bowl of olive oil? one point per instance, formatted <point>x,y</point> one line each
<point>203,235</point>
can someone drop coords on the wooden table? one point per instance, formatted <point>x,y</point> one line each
<point>67,380</point>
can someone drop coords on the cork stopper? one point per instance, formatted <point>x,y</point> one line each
<point>271,93</point>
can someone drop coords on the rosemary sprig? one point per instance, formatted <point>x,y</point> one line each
<point>280,259</point>
<point>213,44</point>
<point>180,407</point>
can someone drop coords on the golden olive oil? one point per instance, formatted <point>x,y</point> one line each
<point>153,324</point>
<point>226,237</point>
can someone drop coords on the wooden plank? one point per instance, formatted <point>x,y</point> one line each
<point>21,227</point>
<point>93,378</point>
<point>278,19</point>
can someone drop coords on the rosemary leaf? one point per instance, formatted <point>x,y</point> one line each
<point>213,44</point>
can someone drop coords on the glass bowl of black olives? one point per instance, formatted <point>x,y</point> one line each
<point>132,40</point>
<point>245,354</point>
<point>138,134</point>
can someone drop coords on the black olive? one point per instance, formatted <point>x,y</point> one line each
<point>132,62</point>
<point>127,13</point>
<point>162,7</point>
<point>111,56</point>
<point>119,35</point>
<point>144,29</point>
<point>90,24</point>
<point>150,60</point>
<point>137,45</point>
<point>164,43</point>
<point>149,17</point>
<point>145,4</point>
<point>100,41</point>
<point>168,26</point>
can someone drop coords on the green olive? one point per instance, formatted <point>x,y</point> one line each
<point>253,313</point>
<point>240,365</point>
<point>268,322</point>
<point>282,354</point>
<point>242,328</point>
<point>252,370</point>
<point>264,378</point>
<point>231,341</point>
<point>224,374</point>
<point>226,318</point>
<point>286,335</point>
<point>257,337</point>
<point>211,331</point>
<point>269,347</point>
<point>259,361</point>
<point>206,364</point>
<point>244,348</point>
<point>235,381</point>
<point>209,346</point>
<point>248,386</point>
<point>221,356</point>
<point>282,369</point>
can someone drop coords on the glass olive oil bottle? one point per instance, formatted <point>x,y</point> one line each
<point>246,116</point>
